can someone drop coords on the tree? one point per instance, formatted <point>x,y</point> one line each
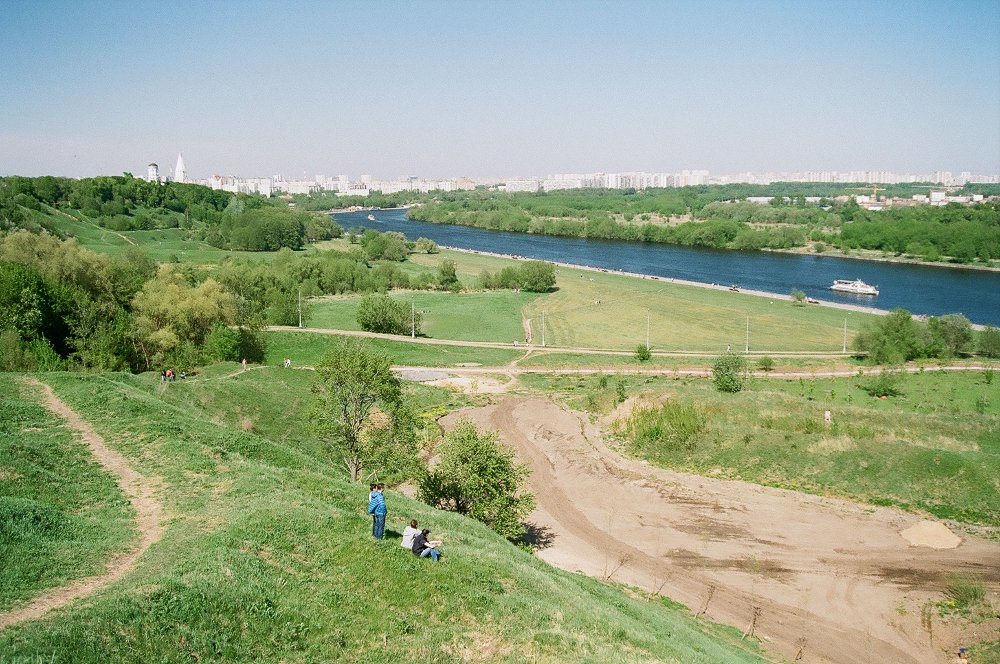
<point>798,297</point>
<point>352,380</point>
<point>448,276</point>
<point>890,339</point>
<point>954,332</point>
<point>989,342</point>
<point>478,477</point>
<point>381,313</point>
<point>537,276</point>
<point>730,373</point>
<point>642,353</point>
<point>426,246</point>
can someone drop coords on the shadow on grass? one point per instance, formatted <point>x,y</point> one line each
<point>537,537</point>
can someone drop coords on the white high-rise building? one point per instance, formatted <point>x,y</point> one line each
<point>180,173</point>
<point>153,173</point>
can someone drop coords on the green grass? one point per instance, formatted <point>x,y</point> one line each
<point>266,556</point>
<point>61,515</point>
<point>309,347</point>
<point>934,449</point>
<point>479,316</point>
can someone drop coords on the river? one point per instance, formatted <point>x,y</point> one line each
<point>921,289</point>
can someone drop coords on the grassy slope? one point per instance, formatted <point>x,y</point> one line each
<point>266,556</point>
<point>61,515</point>
<point>936,448</point>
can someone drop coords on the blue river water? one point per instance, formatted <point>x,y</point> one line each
<point>932,291</point>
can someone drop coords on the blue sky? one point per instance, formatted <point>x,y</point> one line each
<point>499,88</point>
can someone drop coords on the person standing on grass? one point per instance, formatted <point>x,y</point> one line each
<point>376,507</point>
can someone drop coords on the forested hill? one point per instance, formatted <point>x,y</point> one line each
<point>124,203</point>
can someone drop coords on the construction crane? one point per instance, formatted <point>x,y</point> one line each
<point>875,189</point>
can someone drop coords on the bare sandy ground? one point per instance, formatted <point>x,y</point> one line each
<point>817,579</point>
<point>140,492</point>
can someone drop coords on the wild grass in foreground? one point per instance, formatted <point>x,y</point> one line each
<point>933,448</point>
<point>61,515</point>
<point>267,556</point>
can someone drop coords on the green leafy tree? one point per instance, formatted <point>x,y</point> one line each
<point>426,246</point>
<point>730,372</point>
<point>352,380</point>
<point>381,313</point>
<point>478,477</point>
<point>989,342</point>
<point>954,331</point>
<point>890,339</point>
<point>537,276</point>
<point>448,276</point>
<point>642,353</point>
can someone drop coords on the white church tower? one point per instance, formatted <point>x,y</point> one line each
<point>180,173</point>
<point>153,173</point>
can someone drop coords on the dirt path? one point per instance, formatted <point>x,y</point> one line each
<point>817,579</point>
<point>138,489</point>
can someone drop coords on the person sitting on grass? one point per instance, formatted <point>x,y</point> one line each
<point>423,548</point>
<point>409,533</point>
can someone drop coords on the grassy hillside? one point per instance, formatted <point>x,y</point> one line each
<point>267,556</point>
<point>61,515</point>
<point>933,448</point>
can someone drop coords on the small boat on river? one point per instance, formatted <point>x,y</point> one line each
<point>857,287</point>
<point>371,217</point>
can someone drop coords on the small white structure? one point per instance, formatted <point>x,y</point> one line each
<point>152,173</point>
<point>180,173</point>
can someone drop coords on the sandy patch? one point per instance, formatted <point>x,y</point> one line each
<point>821,579</point>
<point>472,384</point>
<point>933,534</point>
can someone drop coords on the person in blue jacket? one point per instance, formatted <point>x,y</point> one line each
<point>376,507</point>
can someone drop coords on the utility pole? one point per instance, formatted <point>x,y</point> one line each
<point>747,350</point>
<point>543,328</point>
<point>413,322</point>
<point>647,331</point>
<point>845,336</point>
<point>300,308</point>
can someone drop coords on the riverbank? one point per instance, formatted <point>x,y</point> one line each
<point>874,256</point>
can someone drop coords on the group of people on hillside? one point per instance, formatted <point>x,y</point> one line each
<point>169,375</point>
<point>414,538</point>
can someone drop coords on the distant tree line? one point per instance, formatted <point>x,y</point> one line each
<point>715,216</point>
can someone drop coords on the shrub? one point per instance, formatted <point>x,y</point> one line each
<point>642,353</point>
<point>965,592</point>
<point>671,427</point>
<point>798,297</point>
<point>765,364</point>
<point>381,313</point>
<point>989,342</point>
<point>885,384</point>
<point>730,373</point>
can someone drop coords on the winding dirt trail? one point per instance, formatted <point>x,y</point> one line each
<point>817,579</point>
<point>140,492</point>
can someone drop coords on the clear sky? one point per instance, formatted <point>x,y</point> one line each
<point>498,88</point>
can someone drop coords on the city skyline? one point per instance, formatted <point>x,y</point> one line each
<point>445,89</point>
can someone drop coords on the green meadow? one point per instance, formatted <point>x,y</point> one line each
<point>62,516</point>
<point>267,556</point>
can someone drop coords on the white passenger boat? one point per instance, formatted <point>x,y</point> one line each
<point>857,287</point>
<point>371,217</point>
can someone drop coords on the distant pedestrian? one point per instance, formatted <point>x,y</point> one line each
<point>163,375</point>
<point>376,507</point>
<point>244,364</point>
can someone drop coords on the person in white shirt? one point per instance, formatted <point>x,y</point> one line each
<point>408,534</point>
